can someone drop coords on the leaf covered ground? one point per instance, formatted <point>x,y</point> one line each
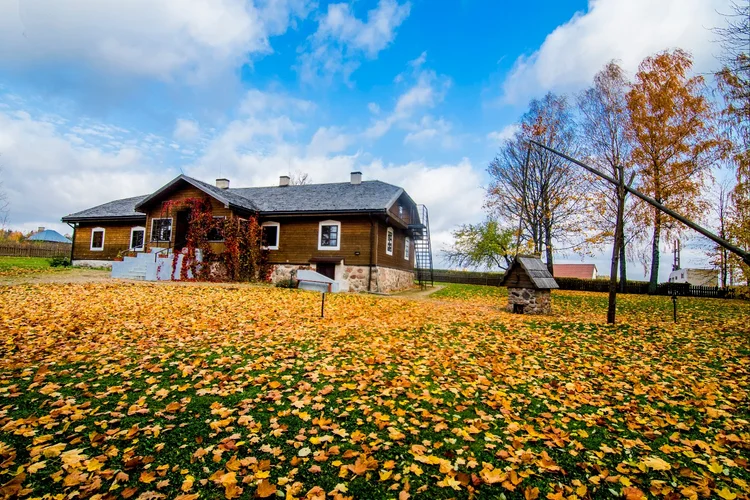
<point>169,391</point>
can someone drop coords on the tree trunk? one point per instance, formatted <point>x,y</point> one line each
<point>654,278</point>
<point>548,248</point>
<point>623,265</point>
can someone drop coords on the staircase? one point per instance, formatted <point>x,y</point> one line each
<point>420,230</point>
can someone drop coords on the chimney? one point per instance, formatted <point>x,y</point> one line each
<point>39,229</point>
<point>284,180</point>
<point>222,183</point>
<point>356,177</point>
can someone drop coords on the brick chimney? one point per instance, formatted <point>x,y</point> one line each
<point>356,177</point>
<point>284,180</point>
<point>40,229</point>
<point>222,183</point>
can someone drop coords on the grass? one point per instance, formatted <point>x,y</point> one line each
<point>28,263</point>
<point>161,391</point>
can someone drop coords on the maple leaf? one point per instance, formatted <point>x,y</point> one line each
<point>656,463</point>
<point>265,489</point>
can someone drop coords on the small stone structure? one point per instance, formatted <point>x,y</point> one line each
<point>529,284</point>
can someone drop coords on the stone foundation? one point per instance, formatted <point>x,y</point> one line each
<point>392,280</point>
<point>355,278</point>
<point>532,301</point>
<point>92,263</point>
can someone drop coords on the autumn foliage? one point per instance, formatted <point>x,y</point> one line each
<point>193,391</point>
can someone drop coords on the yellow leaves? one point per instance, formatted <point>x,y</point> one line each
<point>385,475</point>
<point>656,463</point>
<point>147,477</point>
<point>492,476</point>
<point>265,489</point>
<point>726,493</point>
<point>37,466</point>
<point>716,468</point>
<point>449,482</point>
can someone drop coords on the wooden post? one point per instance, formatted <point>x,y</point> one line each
<point>323,305</point>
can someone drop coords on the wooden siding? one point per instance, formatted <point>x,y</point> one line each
<point>517,278</point>
<point>298,240</point>
<point>396,260</point>
<point>409,210</point>
<point>185,192</point>
<point>116,239</point>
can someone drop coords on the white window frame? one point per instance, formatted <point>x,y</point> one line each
<point>338,235</point>
<point>171,228</point>
<point>104,234</point>
<point>407,250</point>
<point>389,235</point>
<point>134,229</point>
<point>222,239</point>
<point>278,235</point>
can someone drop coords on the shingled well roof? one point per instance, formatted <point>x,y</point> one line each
<point>369,196</point>
<point>535,269</point>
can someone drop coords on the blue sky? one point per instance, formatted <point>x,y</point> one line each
<point>102,99</point>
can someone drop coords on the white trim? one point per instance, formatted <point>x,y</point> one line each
<point>278,235</point>
<point>407,249</point>
<point>222,239</point>
<point>95,230</point>
<point>134,229</point>
<point>389,233</point>
<point>338,234</point>
<point>171,228</point>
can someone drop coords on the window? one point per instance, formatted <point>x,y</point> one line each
<point>407,243</point>
<point>161,229</point>
<point>216,233</point>
<point>389,241</point>
<point>329,235</point>
<point>270,235</point>
<point>97,239</point>
<point>137,238</point>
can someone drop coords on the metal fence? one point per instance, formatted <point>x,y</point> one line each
<point>13,249</point>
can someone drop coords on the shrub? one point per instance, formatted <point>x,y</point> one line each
<point>59,262</point>
<point>287,283</point>
<point>740,292</point>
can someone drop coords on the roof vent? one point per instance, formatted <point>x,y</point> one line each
<point>284,180</point>
<point>40,229</point>
<point>356,177</point>
<point>222,183</point>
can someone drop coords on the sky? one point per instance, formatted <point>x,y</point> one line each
<point>104,99</point>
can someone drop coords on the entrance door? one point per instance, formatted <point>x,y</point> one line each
<point>181,229</point>
<point>327,269</point>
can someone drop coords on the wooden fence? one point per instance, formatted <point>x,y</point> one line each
<point>467,277</point>
<point>13,249</point>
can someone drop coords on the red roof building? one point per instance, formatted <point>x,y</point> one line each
<point>581,271</point>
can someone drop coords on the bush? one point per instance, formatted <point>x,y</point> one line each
<point>739,292</point>
<point>59,262</point>
<point>287,283</point>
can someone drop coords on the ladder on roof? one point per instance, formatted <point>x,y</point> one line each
<point>422,247</point>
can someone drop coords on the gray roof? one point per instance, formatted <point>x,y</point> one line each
<point>368,196</point>
<point>338,197</point>
<point>535,269</point>
<point>49,235</point>
<point>124,208</point>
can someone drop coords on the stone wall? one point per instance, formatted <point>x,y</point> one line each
<point>92,263</point>
<point>533,301</point>
<point>356,278</point>
<point>389,280</point>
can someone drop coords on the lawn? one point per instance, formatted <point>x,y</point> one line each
<point>167,391</point>
<point>16,265</point>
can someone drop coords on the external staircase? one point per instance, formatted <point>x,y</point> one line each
<point>156,265</point>
<point>420,230</point>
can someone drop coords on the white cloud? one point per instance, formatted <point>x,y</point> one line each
<point>429,130</point>
<point>164,39</point>
<point>49,173</point>
<point>327,140</point>
<point>257,102</point>
<point>426,93</point>
<point>504,134</point>
<point>626,31</point>
<point>342,39</point>
<point>186,130</point>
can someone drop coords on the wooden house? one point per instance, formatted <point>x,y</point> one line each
<point>529,283</point>
<point>366,235</point>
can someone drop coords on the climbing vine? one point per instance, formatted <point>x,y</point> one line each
<point>242,258</point>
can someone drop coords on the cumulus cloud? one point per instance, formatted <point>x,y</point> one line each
<point>163,39</point>
<point>257,102</point>
<point>186,130</point>
<point>626,31</point>
<point>47,175</point>
<point>342,39</point>
<point>327,140</point>
<point>504,134</point>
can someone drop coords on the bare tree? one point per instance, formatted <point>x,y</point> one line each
<point>608,143</point>
<point>534,186</point>
<point>299,178</point>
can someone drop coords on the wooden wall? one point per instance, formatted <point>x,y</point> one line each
<point>396,260</point>
<point>116,239</point>
<point>298,240</point>
<point>517,278</point>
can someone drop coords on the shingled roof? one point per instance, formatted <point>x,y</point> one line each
<point>535,269</point>
<point>342,197</point>
<point>118,209</point>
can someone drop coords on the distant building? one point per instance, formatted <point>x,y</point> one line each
<point>48,235</point>
<point>580,271</point>
<point>696,277</point>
